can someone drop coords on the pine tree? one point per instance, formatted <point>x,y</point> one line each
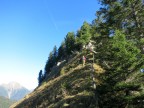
<point>55,55</point>
<point>40,77</point>
<point>126,15</point>
<point>61,51</point>
<point>83,35</point>
<point>49,63</point>
<point>124,51</point>
<point>52,60</point>
<point>70,42</point>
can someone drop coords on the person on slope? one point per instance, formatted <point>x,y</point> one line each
<point>83,60</point>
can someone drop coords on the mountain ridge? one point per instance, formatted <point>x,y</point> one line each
<point>13,91</point>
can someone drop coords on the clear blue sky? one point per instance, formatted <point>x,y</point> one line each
<point>29,29</point>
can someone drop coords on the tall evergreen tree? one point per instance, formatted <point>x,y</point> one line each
<point>84,34</point>
<point>55,54</point>
<point>61,51</point>
<point>49,63</point>
<point>124,51</point>
<point>124,15</point>
<point>70,42</point>
<point>52,59</point>
<point>40,77</point>
<point>121,55</point>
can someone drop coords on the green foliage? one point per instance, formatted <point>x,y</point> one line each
<point>55,54</point>
<point>49,63</point>
<point>124,15</point>
<point>84,34</point>
<point>70,42</point>
<point>65,86</point>
<point>127,86</point>
<point>61,51</point>
<point>40,77</point>
<point>124,51</point>
<point>142,41</point>
<point>52,60</point>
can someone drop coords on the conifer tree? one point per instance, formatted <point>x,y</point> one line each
<point>83,35</point>
<point>61,51</point>
<point>126,15</point>
<point>49,63</point>
<point>40,77</point>
<point>70,42</point>
<point>52,59</point>
<point>55,54</point>
<point>124,51</point>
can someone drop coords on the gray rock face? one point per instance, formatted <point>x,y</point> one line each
<point>13,91</point>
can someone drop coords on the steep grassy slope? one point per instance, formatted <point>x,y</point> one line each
<point>5,103</point>
<point>74,88</point>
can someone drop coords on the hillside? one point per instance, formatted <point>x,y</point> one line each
<point>5,103</point>
<point>74,88</point>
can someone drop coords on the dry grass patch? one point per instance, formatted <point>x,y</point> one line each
<point>98,69</point>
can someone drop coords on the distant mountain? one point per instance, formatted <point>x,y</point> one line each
<point>13,91</point>
<point>5,102</point>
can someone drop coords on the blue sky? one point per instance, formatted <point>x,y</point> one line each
<point>29,29</point>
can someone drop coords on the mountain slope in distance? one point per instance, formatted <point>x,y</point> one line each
<point>13,91</point>
<point>5,102</point>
